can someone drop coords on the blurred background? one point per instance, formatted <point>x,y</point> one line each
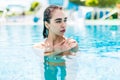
<point>22,10</point>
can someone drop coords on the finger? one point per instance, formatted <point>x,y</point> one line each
<point>66,47</point>
<point>73,45</point>
<point>71,40</point>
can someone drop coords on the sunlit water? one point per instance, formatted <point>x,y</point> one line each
<point>98,57</point>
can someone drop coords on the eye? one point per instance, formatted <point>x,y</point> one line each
<point>58,21</point>
<point>65,20</point>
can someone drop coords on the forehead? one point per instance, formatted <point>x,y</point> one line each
<point>58,14</point>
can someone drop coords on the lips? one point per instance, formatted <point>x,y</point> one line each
<point>62,31</point>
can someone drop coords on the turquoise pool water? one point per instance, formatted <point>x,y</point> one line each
<point>97,59</point>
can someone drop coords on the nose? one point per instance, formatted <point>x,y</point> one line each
<point>63,24</point>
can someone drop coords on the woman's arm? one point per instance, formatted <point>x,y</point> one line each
<point>74,49</point>
<point>67,47</point>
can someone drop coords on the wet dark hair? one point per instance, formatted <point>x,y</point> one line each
<point>47,16</point>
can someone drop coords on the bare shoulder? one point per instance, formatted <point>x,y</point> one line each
<point>39,45</point>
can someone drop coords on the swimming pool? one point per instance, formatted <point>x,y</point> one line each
<point>98,58</point>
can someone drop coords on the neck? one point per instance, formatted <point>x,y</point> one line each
<point>54,39</point>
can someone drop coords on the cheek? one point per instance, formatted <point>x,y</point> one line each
<point>54,27</point>
<point>55,30</point>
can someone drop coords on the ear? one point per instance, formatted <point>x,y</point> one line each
<point>47,25</point>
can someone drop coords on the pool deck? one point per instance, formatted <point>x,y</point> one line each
<point>81,21</point>
<point>103,22</point>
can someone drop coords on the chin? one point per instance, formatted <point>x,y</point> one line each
<point>61,35</point>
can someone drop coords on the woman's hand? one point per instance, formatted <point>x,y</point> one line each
<point>74,45</point>
<point>65,45</point>
<point>61,47</point>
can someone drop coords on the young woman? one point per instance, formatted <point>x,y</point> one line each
<point>55,45</point>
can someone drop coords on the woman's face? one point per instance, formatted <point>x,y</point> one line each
<point>57,23</point>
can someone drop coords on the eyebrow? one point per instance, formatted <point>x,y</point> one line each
<point>60,19</point>
<point>65,18</point>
